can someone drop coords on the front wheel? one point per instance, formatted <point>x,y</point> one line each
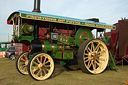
<point>41,66</point>
<point>22,63</point>
<point>93,56</point>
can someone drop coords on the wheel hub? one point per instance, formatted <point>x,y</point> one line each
<point>41,66</point>
<point>94,55</point>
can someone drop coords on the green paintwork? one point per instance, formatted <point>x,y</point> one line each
<point>83,34</point>
<point>5,48</point>
<point>26,28</point>
<point>58,55</point>
<point>47,46</point>
<point>26,33</point>
<point>63,63</point>
<point>56,48</point>
<point>111,62</point>
<point>27,38</point>
<point>66,40</point>
<point>107,39</point>
<point>50,47</point>
<point>67,54</point>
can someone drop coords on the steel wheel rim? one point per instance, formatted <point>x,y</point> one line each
<point>96,56</point>
<point>23,63</point>
<point>44,66</point>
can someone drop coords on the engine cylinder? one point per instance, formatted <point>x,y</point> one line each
<point>46,46</point>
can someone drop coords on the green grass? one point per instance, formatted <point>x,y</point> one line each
<point>10,76</point>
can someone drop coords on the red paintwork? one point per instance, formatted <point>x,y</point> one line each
<point>42,31</point>
<point>113,35</point>
<point>8,22</point>
<point>20,48</point>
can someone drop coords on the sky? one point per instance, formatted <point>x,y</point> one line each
<point>108,11</point>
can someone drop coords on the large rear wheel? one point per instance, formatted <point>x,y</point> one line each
<point>93,56</point>
<point>41,66</point>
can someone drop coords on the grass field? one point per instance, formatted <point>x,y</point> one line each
<point>10,76</point>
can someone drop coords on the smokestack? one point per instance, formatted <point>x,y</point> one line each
<point>36,6</point>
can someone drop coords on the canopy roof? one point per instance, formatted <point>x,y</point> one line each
<point>57,19</point>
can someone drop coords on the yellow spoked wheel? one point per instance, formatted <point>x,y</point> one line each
<point>93,56</point>
<point>22,63</point>
<point>41,66</point>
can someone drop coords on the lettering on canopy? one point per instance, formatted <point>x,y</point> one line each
<point>66,21</point>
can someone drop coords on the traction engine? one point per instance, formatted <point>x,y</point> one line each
<point>50,38</point>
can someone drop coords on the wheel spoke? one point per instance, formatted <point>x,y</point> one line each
<point>38,73</point>
<point>87,60</point>
<point>102,59</point>
<point>35,63</point>
<point>90,64</point>
<point>92,46</point>
<point>22,59</point>
<point>21,63</point>
<point>24,68</point>
<point>47,65</point>
<point>89,49</point>
<point>97,47</point>
<point>26,57</point>
<point>93,66</point>
<point>97,63</point>
<point>44,71</point>
<point>101,51</point>
<point>41,74</point>
<point>34,67</point>
<point>38,60</point>
<point>86,54</point>
<point>34,70</point>
<point>99,55</point>
<point>47,62</point>
<point>44,60</point>
<point>85,57</point>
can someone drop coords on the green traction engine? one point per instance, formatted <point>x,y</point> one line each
<point>53,38</point>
